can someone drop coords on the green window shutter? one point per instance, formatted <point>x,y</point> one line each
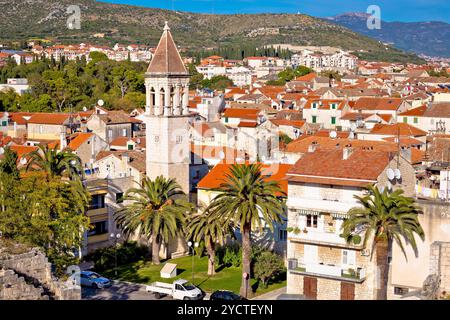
<point>333,120</point>
<point>416,120</point>
<point>405,120</point>
<point>4,123</point>
<point>314,119</point>
<point>226,119</point>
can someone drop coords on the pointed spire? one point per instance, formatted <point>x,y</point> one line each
<point>167,59</point>
<point>166,26</point>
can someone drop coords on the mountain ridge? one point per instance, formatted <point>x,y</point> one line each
<point>21,20</point>
<point>429,38</point>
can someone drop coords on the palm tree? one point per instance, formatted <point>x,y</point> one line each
<point>156,211</point>
<point>249,201</point>
<point>383,218</point>
<point>208,228</point>
<point>54,162</point>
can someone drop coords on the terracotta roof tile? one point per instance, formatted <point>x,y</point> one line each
<point>302,144</point>
<point>242,113</point>
<point>419,111</point>
<point>402,129</point>
<point>323,166</point>
<point>78,140</point>
<point>49,118</point>
<point>274,172</point>
<point>378,103</point>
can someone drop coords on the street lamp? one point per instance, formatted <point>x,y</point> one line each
<point>115,237</point>
<point>193,254</point>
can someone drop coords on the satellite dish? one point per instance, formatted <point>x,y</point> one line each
<point>222,155</point>
<point>101,102</point>
<point>23,161</point>
<point>397,173</point>
<point>84,109</point>
<point>333,134</point>
<point>239,159</point>
<point>252,159</point>
<point>285,160</point>
<point>2,150</point>
<point>353,126</point>
<point>390,174</point>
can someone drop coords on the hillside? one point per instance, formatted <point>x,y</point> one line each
<point>24,19</point>
<point>429,38</point>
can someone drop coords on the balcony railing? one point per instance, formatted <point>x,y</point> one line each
<point>327,271</point>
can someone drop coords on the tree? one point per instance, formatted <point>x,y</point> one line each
<point>205,227</point>
<point>250,202</point>
<point>157,211</point>
<point>54,162</point>
<point>8,165</point>
<point>384,217</point>
<point>267,266</point>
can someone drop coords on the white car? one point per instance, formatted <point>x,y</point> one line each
<point>92,279</point>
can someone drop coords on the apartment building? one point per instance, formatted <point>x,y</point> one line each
<point>321,190</point>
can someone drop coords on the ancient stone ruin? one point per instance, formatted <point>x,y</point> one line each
<point>27,276</point>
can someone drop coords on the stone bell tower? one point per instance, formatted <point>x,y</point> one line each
<point>167,115</point>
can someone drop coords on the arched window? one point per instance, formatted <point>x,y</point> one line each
<point>162,97</point>
<point>152,96</point>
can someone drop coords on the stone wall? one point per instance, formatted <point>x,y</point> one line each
<point>35,271</point>
<point>13,287</point>
<point>440,263</point>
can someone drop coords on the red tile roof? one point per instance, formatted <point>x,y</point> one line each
<point>79,139</point>
<point>378,104</point>
<point>290,123</point>
<point>49,118</point>
<point>419,111</point>
<point>308,77</point>
<point>273,172</point>
<point>242,113</point>
<point>247,124</point>
<point>402,129</point>
<point>328,167</point>
<point>302,144</point>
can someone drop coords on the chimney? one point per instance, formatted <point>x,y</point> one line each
<point>312,147</point>
<point>406,154</point>
<point>125,157</point>
<point>347,152</point>
<point>62,139</point>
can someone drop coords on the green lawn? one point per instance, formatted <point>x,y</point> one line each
<point>224,279</point>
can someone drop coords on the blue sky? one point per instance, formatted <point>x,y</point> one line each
<point>391,10</point>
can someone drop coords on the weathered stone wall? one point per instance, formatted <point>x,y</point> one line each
<point>13,287</point>
<point>35,267</point>
<point>440,263</point>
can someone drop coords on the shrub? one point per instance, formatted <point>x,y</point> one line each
<point>127,252</point>
<point>267,266</point>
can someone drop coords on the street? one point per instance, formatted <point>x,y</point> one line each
<point>119,291</point>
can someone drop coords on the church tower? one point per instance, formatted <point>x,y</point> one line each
<point>167,115</point>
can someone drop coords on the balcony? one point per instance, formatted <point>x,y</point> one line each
<point>98,238</point>
<point>327,271</point>
<point>320,237</point>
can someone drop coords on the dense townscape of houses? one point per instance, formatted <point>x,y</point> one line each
<point>383,124</point>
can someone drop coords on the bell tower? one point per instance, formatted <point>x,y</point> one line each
<point>166,114</point>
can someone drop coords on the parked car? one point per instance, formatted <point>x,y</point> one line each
<point>93,280</point>
<point>179,289</point>
<point>225,295</point>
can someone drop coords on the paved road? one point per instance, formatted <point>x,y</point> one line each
<point>119,291</point>
<point>271,295</point>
